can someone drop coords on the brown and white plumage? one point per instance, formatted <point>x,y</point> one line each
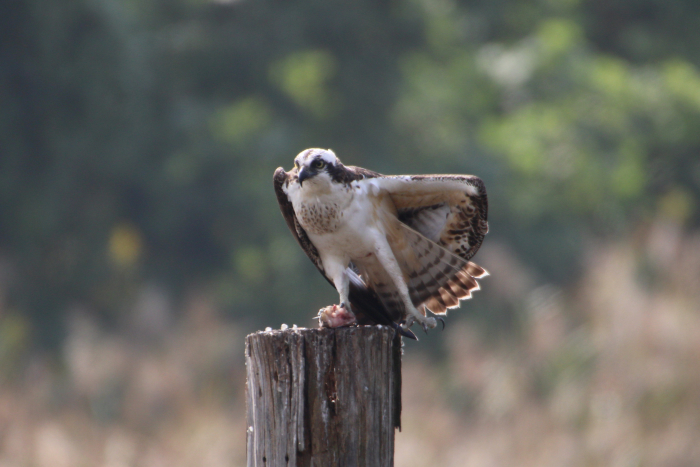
<point>393,246</point>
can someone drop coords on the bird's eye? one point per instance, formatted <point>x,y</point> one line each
<point>318,164</point>
<point>296,164</point>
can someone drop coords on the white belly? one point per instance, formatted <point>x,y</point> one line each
<point>352,235</point>
<point>341,221</point>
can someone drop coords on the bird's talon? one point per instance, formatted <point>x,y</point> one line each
<point>428,323</point>
<point>442,321</point>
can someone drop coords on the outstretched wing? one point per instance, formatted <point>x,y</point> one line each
<point>365,303</point>
<point>450,210</point>
<point>444,221</point>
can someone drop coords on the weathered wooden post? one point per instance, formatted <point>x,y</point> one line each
<point>323,397</point>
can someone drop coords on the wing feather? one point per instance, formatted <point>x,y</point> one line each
<point>451,210</point>
<point>435,277</point>
<point>280,179</point>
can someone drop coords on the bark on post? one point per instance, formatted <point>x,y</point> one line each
<point>323,397</point>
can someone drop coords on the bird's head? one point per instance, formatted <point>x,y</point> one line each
<point>316,165</point>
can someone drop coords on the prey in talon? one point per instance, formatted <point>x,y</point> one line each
<point>396,248</point>
<point>335,316</point>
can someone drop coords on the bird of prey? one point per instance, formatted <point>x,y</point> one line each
<point>394,247</point>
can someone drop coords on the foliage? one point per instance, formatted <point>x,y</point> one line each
<point>138,139</point>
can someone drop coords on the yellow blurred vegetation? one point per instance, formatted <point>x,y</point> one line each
<point>125,245</point>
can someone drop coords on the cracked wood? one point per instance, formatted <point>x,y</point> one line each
<point>323,397</point>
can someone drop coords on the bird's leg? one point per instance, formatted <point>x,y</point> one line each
<point>342,285</point>
<point>388,261</point>
<point>334,316</point>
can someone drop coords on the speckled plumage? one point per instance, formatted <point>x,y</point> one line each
<point>393,246</point>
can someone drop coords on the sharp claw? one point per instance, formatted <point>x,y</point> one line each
<point>442,320</point>
<point>399,329</point>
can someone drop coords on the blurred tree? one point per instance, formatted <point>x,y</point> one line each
<point>138,138</point>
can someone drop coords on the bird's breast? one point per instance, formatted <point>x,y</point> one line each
<point>338,212</point>
<point>320,218</point>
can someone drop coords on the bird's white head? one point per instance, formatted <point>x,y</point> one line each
<point>317,165</point>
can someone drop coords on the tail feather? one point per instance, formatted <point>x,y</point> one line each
<point>435,277</point>
<point>476,271</point>
<point>459,289</point>
<point>448,297</point>
<point>467,281</point>
<point>436,305</point>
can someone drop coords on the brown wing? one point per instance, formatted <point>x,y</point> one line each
<point>447,210</point>
<point>450,210</point>
<point>281,179</point>
<point>436,277</point>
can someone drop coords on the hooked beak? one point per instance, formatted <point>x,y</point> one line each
<point>303,175</point>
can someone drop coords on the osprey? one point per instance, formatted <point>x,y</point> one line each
<point>394,247</point>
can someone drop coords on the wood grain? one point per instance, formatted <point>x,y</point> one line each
<point>323,397</point>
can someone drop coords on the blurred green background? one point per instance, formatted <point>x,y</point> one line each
<point>140,239</point>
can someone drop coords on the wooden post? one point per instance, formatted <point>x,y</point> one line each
<point>323,397</point>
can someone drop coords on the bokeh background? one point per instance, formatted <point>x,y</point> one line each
<point>140,239</point>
